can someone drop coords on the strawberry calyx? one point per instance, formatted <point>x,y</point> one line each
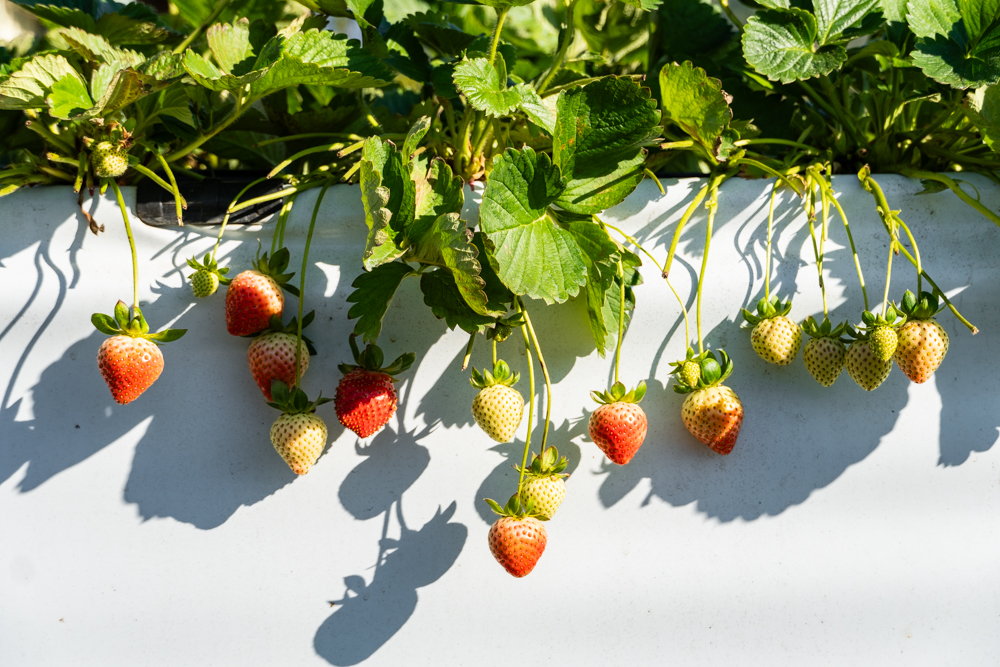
<point>514,508</point>
<point>293,402</point>
<point>501,375</point>
<point>132,324</point>
<point>275,326</point>
<point>891,318</point>
<point>274,267</point>
<point>618,393</point>
<point>371,360</point>
<point>712,371</point>
<point>767,309</point>
<point>209,264</point>
<point>504,326</point>
<point>923,308</point>
<point>824,330</point>
<point>549,464</point>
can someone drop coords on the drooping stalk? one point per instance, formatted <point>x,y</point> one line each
<point>810,199</point>
<point>131,242</point>
<point>287,192</point>
<point>850,239</point>
<point>545,375</point>
<point>621,319</point>
<point>767,257</point>
<point>888,273</point>
<point>494,352</point>
<point>954,187</point>
<point>495,41</point>
<point>229,211</point>
<point>302,283</point>
<point>179,202</point>
<point>279,227</point>
<point>698,198</point>
<point>712,206</point>
<point>468,351</point>
<point>822,247</point>
<point>531,400</point>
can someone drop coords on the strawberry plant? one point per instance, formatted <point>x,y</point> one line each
<point>553,121</point>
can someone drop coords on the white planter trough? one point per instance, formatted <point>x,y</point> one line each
<point>846,527</point>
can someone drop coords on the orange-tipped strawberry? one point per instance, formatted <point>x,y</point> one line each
<point>130,360</point>
<point>366,397</point>
<point>712,412</point>
<point>298,435</point>
<point>271,355</point>
<point>517,539</point>
<point>922,341</point>
<point>255,296</point>
<point>618,426</point>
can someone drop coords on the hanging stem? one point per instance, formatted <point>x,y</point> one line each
<point>495,42</point>
<point>767,258</point>
<point>229,211</point>
<point>131,242</point>
<point>219,6</point>
<point>822,247</point>
<point>494,352</point>
<point>712,206</point>
<point>888,273</point>
<point>850,239</point>
<point>621,319</point>
<point>916,251</point>
<point>279,227</point>
<point>698,198</point>
<point>810,199</point>
<point>284,192</point>
<point>567,40</point>
<point>302,283</point>
<point>179,202</point>
<point>531,400</point>
<point>468,352</point>
<point>545,374</point>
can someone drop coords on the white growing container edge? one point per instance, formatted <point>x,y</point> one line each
<point>847,525</point>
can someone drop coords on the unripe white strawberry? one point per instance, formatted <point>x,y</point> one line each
<point>109,160</point>
<point>300,440</point>
<point>498,407</point>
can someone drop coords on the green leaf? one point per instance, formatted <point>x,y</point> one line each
<point>415,135</point>
<point>535,109</point>
<point>134,24</point>
<point>835,16</point>
<point>105,324</point>
<point>443,297</point>
<point>239,61</point>
<point>435,30</point>
<point>69,97</point>
<point>648,5</point>
<point>536,256</point>
<point>598,142</point>
<point>894,10</point>
<point>781,46</point>
<point>174,103</point>
<point>983,106</point>
<point>96,48</point>
<point>504,4</point>
<point>601,255</point>
<point>321,58</point>
<point>28,87</point>
<point>612,302</point>
<point>485,85</point>
<point>931,18</point>
<point>692,27</point>
<point>497,293</point>
<point>125,87</point>
<point>373,292</point>
<point>695,102</point>
<point>437,192</point>
<point>388,195</point>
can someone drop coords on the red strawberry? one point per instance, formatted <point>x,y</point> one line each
<point>517,539</point>
<point>255,296</point>
<point>130,361</point>
<point>272,354</point>
<point>712,412</point>
<point>618,426</point>
<point>366,398</point>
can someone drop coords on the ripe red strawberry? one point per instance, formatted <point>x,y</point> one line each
<point>255,296</point>
<point>618,426</point>
<point>543,487</point>
<point>271,355</point>
<point>923,342</point>
<point>498,407</point>
<point>712,412</point>
<point>366,398</point>
<point>298,435</point>
<point>775,337</point>
<point>130,360</point>
<point>517,539</point>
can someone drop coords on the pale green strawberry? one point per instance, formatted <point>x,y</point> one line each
<point>774,337</point>
<point>109,160</point>
<point>690,371</point>
<point>865,367</point>
<point>204,283</point>
<point>544,488</point>
<point>826,354</point>
<point>884,341</point>
<point>498,407</point>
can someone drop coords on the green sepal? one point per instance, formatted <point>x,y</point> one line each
<point>714,370</point>
<point>275,266</point>
<point>135,326</point>
<point>890,318</point>
<point>549,464</point>
<point>513,508</point>
<point>210,265</point>
<point>293,403</point>
<point>824,330</point>
<point>371,360</point>
<point>767,309</point>
<point>501,375</point>
<point>619,394</point>
<point>924,308</point>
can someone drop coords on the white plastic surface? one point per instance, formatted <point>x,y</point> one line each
<point>846,528</point>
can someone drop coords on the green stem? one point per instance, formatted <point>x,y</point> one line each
<point>659,185</point>
<point>36,126</point>
<point>179,202</point>
<point>810,199</point>
<point>916,251</point>
<point>850,239</point>
<point>938,290</point>
<point>308,151</point>
<point>956,188</point>
<point>567,40</point>
<point>153,176</point>
<point>712,206</point>
<point>229,211</point>
<point>494,352</point>
<point>545,374</point>
<point>81,170</point>
<point>767,258</point>
<point>219,6</point>
<point>57,173</point>
<point>768,170</point>
<point>783,142</point>
<point>822,248</point>
<point>495,41</point>
<point>888,273</point>
<point>131,242</point>
<point>621,318</point>
<point>311,135</point>
<point>279,228</point>
<point>729,12</point>
<point>468,351</point>
<point>223,124</point>
<point>531,400</point>
<point>700,197</point>
<point>284,192</point>
<point>302,283</point>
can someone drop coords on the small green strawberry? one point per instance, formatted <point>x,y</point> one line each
<point>712,412</point>
<point>775,337</point>
<point>687,370</point>
<point>882,331</point>
<point>825,354</point>
<point>110,160</point>
<point>207,276</point>
<point>922,341</point>
<point>543,483</point>
<point>298,435</point>
<point>498,407</point>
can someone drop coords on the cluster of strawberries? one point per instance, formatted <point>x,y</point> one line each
<point>907,333</point>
